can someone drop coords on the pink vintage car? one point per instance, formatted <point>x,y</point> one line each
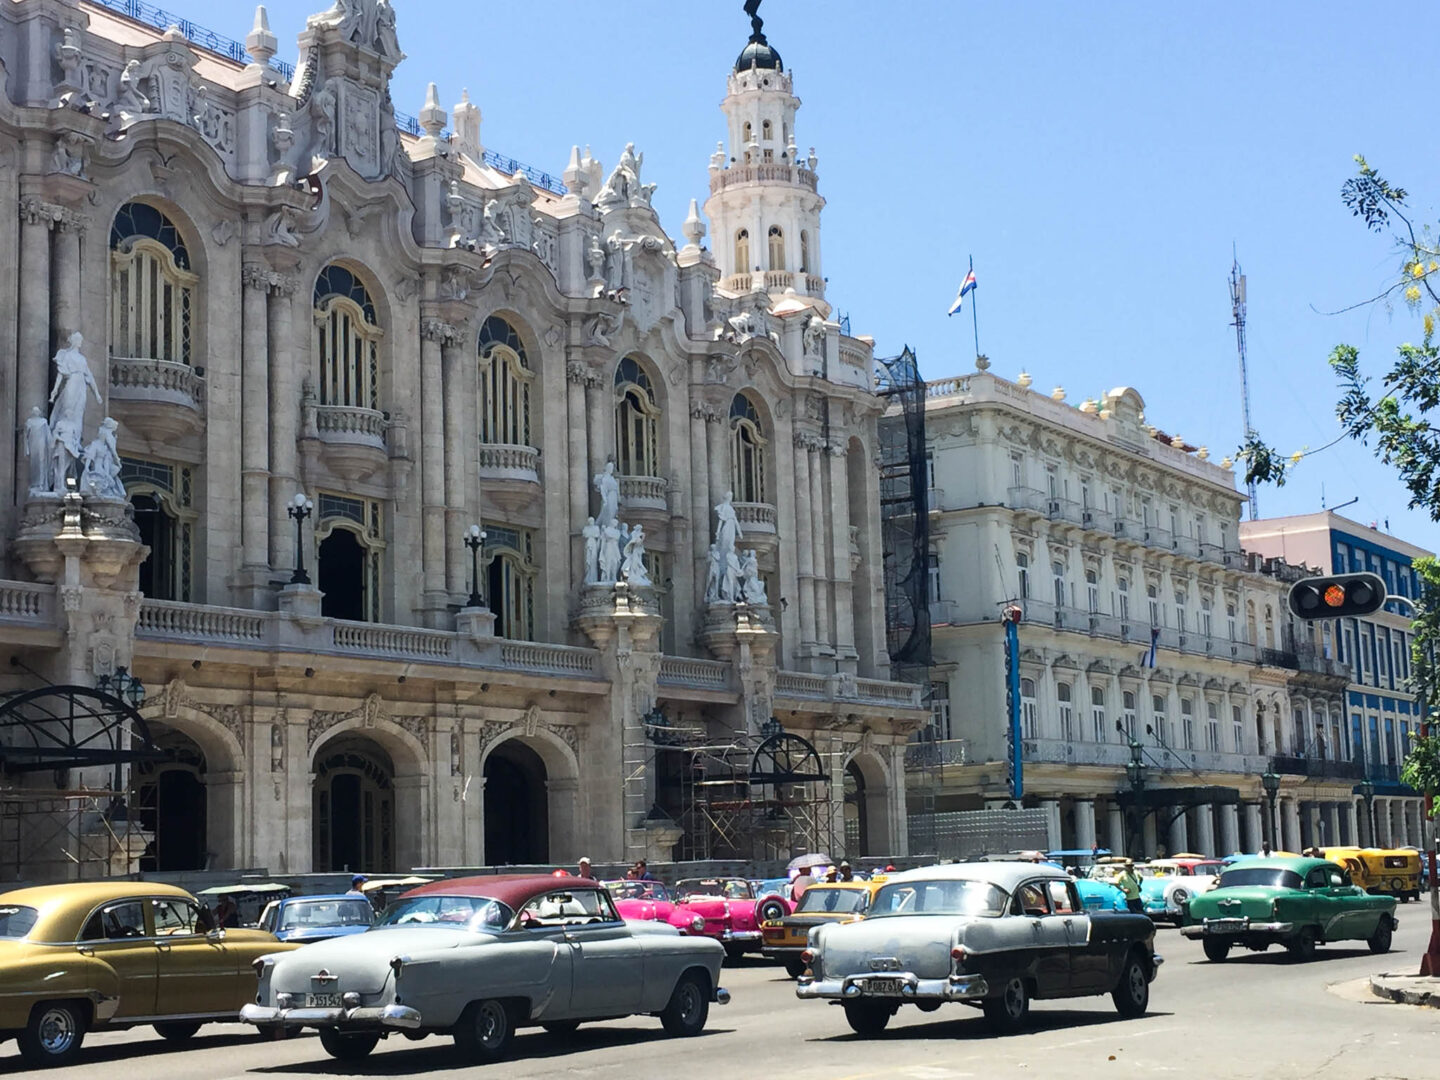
<point>732,910</point>
<point>650,901</point>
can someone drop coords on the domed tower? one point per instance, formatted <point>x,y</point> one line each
<point>764,209</point>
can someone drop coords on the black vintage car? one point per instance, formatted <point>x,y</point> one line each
<point>994,935</point>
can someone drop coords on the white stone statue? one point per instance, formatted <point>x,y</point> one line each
<point>752,585</point>
<point>101,476</point>
<point>609,560</point>
<point>727,525</point>
<point>591,533</point>
<point>67,410</point>
<point>730,579</point>
<point>600,328</point>
<point>322,119</point>
<point>715,570</point>
<point>37,449</point>
<point>131,100</point>
<point>815,336</point>
<point>609,488</point>
<point>595,258</point>
<point>632,567</point>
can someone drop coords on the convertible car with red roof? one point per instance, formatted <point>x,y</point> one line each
<point>479,957</point>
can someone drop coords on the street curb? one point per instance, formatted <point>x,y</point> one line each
<point>1390,988</point>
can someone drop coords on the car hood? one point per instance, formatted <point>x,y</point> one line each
<point>362,961</point>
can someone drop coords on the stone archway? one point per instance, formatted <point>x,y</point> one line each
<point>867,804</point>
<point>353,807</point>
<point>171,801</point>
<point>531,787</point>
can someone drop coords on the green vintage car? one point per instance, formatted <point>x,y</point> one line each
<point>1298,903</point>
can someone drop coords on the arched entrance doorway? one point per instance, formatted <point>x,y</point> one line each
<point>517,818</point>
<point>171,802</point>
<point>353,823</point>
<point>856,825</point>
<point>867,812</point>
<point>342,576</point>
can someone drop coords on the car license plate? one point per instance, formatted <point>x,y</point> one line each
<point>886,987</point>
<point>322,1001</point>
<point>1226,926</point>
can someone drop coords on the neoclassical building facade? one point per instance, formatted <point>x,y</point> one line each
<point>334,338</point>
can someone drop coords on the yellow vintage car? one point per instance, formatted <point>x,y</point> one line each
<point>104,955</point>
<point>784,939</point>
<point>1386,871</point>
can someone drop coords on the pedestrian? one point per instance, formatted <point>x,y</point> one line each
<point>583,869</point>
<point>846,874</point>
<point>355,883</point>
<point>641,871</point>
<point>802,881</point>
<point>1129,884</point>
<point>226,912</point>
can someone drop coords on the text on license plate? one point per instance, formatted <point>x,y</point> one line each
<point>1225,926</point>
<point>882,986</point>
<point>322,1001</point>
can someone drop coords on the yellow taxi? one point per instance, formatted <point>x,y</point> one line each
<point>824,902</point>
<point>1394,872</point>
<point>88,956</point>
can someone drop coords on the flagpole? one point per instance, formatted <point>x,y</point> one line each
<point>974,315</point>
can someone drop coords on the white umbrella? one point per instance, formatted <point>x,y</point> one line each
<point>804,862</point>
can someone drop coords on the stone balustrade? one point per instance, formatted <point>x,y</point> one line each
<point>685,671</point>
<point>509,461</point>
<point>162,380</point>
<point>538,657</point>
<point>26,603</point>
<point>195,622</point>
<point>346,424</point>
<point>755,517</point>
<point>374,639</point>
<point>799,684</point>
<point>768,171</point>
<point>643,492</point>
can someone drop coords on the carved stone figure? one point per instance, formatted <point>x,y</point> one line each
<point>632,567</point>
<point>730,578</point>
<point>132,100</point>
<point>591,533</point>
<point>609,562</point>
<point>101,476</point>
<point>37,450</point>
<point>386,39</point>
<point>322,121</point>
<point>815,336</point>
<point>715,570</point>
<point>600,327</point>
<point>727,525</point>
<point>609,488</point>
<point>752,586</point>
<point>280,227</point>
<point>67,410</point>
<point>619,262</point>
<point>624,189</point>
<point>68,157</point>
<point>595,259</point>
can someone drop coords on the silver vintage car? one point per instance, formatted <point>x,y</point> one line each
<point>991,934</point>
<point>479,957</point>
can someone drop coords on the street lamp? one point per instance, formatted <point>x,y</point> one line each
<point>1271,783</point>
<point>124,686</point>
<point>1367,792</point>
<point>475,540</point>
<point>300,508</point>
<point>1135,773</point>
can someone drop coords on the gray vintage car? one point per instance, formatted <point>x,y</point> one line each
<point>479,957</point>
<point>991,934</point>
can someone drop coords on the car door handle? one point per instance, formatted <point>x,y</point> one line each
<point>163,946</point>
<point>1035,923</point>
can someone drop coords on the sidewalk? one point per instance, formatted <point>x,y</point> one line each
<point>1407,989</point>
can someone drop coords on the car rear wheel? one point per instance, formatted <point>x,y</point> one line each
<point>688,1009</point>
<point>1302,945</point>
<point>867,1017</point>
<point>794,968</point>
<point>1379,941</point>
<point>1132,993</point>
<point>348,1045</point>
<point>1216,951</point>
<point>484,1031</point>
<point>178,1030</point>
<point>1007,1012</point>
<point>54,1033</point>
<point>735,953</point>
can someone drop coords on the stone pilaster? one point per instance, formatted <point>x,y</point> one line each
<point>434,601</point>
<point>460,443</point>
<point>842,598</point>
<point>255,426</point>
<point>578,375</point>
<point>284,356</point>
<point>804,545</point>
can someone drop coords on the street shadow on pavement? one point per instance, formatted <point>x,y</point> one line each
<point>1276,955</point>
<point>972,1026</point>
<point>99,1053</point>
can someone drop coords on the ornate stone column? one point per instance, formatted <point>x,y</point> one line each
<point>33,349</point>
<point>1115,819</point>
<point>844,609</point>
<point>1084,823</point>
<point>255,420</point>
<point>1229,829</point>
<point>1179,835</point>
<point>1254,832</point>
<point>461,455</point>
<point>1205,829</point>
<point>804,549</point>
<point>577,376</point>
<point>819,521</point>
<point>65,301</point>
<point>1290,823</point>
<point>700,532</point>
<point>600,423</point>
<point>434,601</point>
<point>286,360</point>
<point>1053,832</point>
<point>717,462</point>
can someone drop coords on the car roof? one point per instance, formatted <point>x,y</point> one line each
<point>1007,875</point>
<point>821,886</point>
<point>63,906</point>
<point>322,896</point>
<point>510,889</point>
<point>1302,865</point>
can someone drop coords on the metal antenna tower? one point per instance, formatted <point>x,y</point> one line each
<point>1237,309</point>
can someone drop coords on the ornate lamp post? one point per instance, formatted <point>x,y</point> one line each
<point>475,540</point>
<point>299,509</point>
<point>1135,773</point>
<point>124,686</point>
<point>1367,792</point>
<point>1271,783</point>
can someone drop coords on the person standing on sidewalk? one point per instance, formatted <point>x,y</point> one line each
<point>1129,883</point>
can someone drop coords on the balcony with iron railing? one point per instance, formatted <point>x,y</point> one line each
<point>1316,768</point>
<point>923,754</point>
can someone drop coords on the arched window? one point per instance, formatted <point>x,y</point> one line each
<point>1127,712</point>
<point>637,421</point>
<point>1029,710</point>
<point>163,496</point>
<point>349,549</point>
<point>747,451</point>
<point>749,132</point>
<point>505,380</point>
<point>1022,568</point>
<point>1063,696</point>
<point>1057,573</point>
<point>777,248</point>
<point>347,340</point>
<point>509,555</point>
<point>152,288</point>
<point>742,251</point>
<point>765,130</point>
<point>804,251</point>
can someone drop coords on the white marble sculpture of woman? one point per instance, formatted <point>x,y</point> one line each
<point>730,582</point>
<point>67,410</point>
<point>632,566</point>
<point>714,572</point>
<point>727,525</point>
<point>609,560</point>
<point>609,489</point>
<point>591,533</point>
<point>37,450</point>
<point>752,585</point>
<point>101,476</point>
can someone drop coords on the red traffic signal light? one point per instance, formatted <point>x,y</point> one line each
<point>1342,596</point>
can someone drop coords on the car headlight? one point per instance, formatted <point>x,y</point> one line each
<point>697,923</point>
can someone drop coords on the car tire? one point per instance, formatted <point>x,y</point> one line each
<point>1009,1011</point>
<point>735,953</point>
<point>772,910</point>
<point>177,1030</point>
<point>688,1008</point>
<point>484,1031</point>
<point>1132,993</point>
<point>562,1029</point>
<point>348,1045</point>
<point>54,1033</point>
<point>1302,946</point>
<point>794,968</point>
<point>867,1017</point>
<point>1379,941</point>
<point>1215,951</point>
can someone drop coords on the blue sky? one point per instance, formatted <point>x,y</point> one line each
<point>1097,160</point>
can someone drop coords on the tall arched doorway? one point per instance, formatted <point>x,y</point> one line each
<point>517,818</point>
<point>171,803</point>
<point>856,830</point>
<point>867,810</point>
<point>353,827</point>
<point>342,576</point>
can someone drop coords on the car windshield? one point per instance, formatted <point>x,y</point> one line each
<point>837,900</point>
<point>637,890</point>
<point>302,913</point>
<point>729,888</point>
<point>1268,876</point>
<point>938,898</point>
<point>470,912</point>
<point>16,921</point>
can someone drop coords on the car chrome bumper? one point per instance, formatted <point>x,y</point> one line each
<point>386,1016</point>
<point>1235,928</point>
<point>913,988</point>
<point>783,952</point>
<point>722,996</point>
<point>740,937</point>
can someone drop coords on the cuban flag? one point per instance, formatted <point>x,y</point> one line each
<point>1147,659</point>
<point>968,285</point>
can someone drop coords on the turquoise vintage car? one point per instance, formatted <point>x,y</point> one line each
<point>1296,902</point>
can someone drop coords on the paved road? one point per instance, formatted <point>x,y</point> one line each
<point>1253,1016</point>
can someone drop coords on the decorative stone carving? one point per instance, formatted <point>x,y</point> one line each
<point>752,586</point>
<point>624,189</point>
<point>279,228</point>
<point>37,451</point>
<point>71,153</point>
<point>101,476</point>
<point>591,533</point>
<point>632,565</point>
<point>602,326</point>
<point>609,488</point>
<point>609,558</point>
<point>815,337</point>
<point>493,731</point>
<point>418,727</point>
<point>506,221</point>
<point>367,23</point>
<point>73,379</point>
<point>727,525</point>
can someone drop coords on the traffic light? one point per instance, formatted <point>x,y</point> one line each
<point>1342,596</point>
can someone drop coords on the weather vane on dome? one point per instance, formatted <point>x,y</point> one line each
<point>752,8</point>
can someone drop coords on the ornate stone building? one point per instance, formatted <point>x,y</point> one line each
<point>334,338</point>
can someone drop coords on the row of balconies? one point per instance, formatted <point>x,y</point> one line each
<point>930,754</point>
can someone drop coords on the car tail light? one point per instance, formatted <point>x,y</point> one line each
<point>957,954</point>
<point>261,964</point>
<point>807,957</point>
